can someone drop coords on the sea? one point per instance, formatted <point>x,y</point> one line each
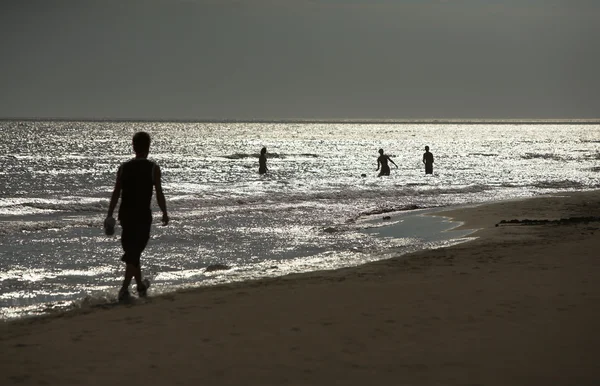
<point>321,206</point>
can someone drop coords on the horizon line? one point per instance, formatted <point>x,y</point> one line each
<point>324,120</point>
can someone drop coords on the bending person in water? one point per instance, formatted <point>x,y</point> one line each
<point>428,161</point>
<point>262,161</point>
<point>382,161</point>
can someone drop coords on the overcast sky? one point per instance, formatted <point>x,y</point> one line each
<point>286,59</point>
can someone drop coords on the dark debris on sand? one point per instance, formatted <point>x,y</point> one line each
<point>562,221</point>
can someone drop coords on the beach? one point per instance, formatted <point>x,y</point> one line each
<point>519,305</point>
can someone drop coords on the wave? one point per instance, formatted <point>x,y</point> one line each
<point>389,209</point>
<point>562,184</point>
<point>269,155</point>
<point>12,227</point>
<point>18,206</point>
<point>68,207</point>
<point>309,155</point>
<point>241,155</point>
<point>485,154</point>
<point>373,194</point>
<point>549,156</point>
<point>593,156</point>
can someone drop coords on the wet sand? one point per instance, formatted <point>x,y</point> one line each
<point>518,306</point>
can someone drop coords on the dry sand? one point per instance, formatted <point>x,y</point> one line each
<point>518,306</point>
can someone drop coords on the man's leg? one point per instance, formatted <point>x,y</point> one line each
<point>130,271</point>
<point>142,284</point>
<point>134,239</point>
<point>137,273</point>
<point>131,258</point>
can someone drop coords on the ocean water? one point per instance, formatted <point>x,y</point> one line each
<point>314,210</point>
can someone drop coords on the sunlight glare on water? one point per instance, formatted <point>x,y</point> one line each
<point>308,213</point>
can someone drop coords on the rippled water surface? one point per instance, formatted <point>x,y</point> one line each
<point>310,212</point>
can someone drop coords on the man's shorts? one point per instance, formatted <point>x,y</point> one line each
<point>134,239</point>
<point>385,171</point>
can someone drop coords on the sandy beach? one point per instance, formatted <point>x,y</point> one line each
<point>520,305</point>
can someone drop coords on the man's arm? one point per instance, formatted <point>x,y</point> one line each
<point>114,198</point>
<point>393,162</point>
<point>160,197</point>
<point>378,163</point>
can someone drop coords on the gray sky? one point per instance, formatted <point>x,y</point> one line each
<point>286,59</point>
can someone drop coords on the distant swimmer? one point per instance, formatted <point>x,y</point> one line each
<point>382,161</point>
<point>428,161</point>
<point>262,161</point>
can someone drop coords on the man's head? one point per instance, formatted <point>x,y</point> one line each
<point>381,151</point>
<point>426,148</point>
<point>141,143</point>
<point>263,150</point>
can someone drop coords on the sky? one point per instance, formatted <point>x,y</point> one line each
<point>300,59</point>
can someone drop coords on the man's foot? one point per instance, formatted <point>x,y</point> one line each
<point>123,294</point>
<point>143,288</point>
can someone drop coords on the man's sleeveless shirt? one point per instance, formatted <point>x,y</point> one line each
<point>137,183</point>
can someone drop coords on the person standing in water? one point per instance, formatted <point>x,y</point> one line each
<point>382,161</point>
<point>262,161</point>
<point>136,179</point>
<point>428,161</point>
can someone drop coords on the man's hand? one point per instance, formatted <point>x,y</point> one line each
<point>165,219</point>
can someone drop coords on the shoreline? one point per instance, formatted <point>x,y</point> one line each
<point>462,221</point>
<point>518,305</point>
<point>430,230</point>
<point>424,224</point>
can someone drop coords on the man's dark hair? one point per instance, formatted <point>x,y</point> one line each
<point>141,142</point>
